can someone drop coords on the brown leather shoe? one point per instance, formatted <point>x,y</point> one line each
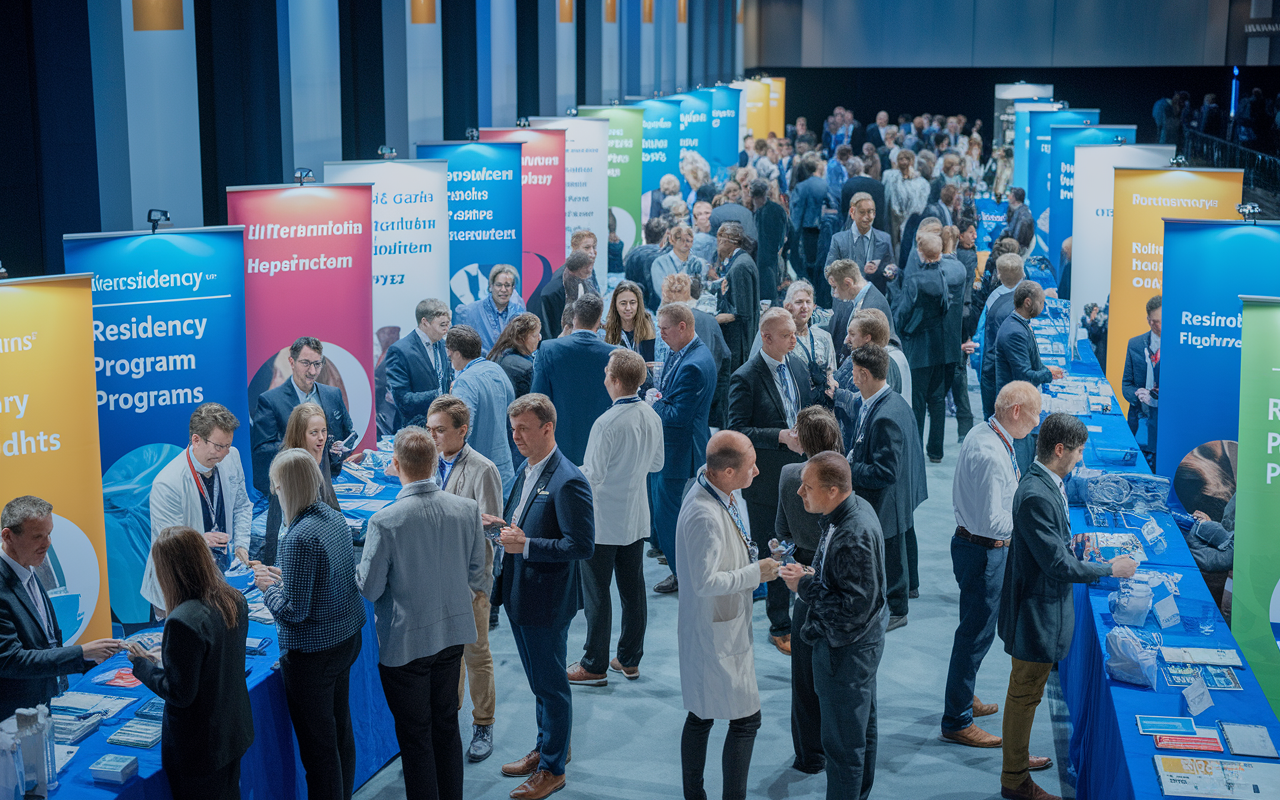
<point>972,736</point>
<point>580,677</point>
<point>1027,791</point>
<point>524,767</point>
<point>981,709</point>
<point>540,784</point>
<point>631,673</point>
<point>1037,763</point>
<point>783,643</point>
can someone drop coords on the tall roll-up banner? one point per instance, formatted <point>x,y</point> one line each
<point>542,198</point>
<point>309,272</point>
<point>1255,591</point>
<point>754,108</point>
<point>1091,215</point>
<point>777,106</point>
<point>1207,266</point>
<point>586,179</point>
<point>694,135</point>
<point>49,439</point>
<point>485,210</point>
<point>168,335</point>
<point>726,131</point>
<point>1143,198</point>
<point>1063,140</point>
<point>1038,168</point>
<point>1022,137</point>
<point>626,163</point>
<point>660,147</point>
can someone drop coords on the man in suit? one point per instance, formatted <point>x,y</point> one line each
<point>424,624</point>
<point>33,660</point>
<point>624,448</point>
<point>567,370</point>
<point>685,290</point>
<point>887,464</point>
<point>203,489</point>
<point>999,306</point>
<point>418,369</point>
<point>1017,354</point>
<point>465,473</point>
<point>1036,608</point>
<point>876,133</point>
<point>868,247</point>
<point>869,326</point>
<point>765,395</point>
<point>947,207</point>
<point>574,275</point>
<point>852,293</point>
<point>738,311</point>
<point>682,399</point>
<point>748,150</point>
<point>487,391</point>
<point>1141,384</point>
<point>860,183</point>
<point>271,413</point>
<point>773,226</point>
<point>547,528</point>
<point>920,317</point>
<point>1018,221</point>
<point>490,314</point>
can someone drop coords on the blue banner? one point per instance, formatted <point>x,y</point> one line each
<point>1022,135</point>
<point>485,210</point>
<point>1038,164</point>
<point>725,143</point>
<point>169,334</point>
<point>1063,140</point>
<point>660,145</point>
<point>991,220</point>
<point>695,134</point>
<point>1207,266</point>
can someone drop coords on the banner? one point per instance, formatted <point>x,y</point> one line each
<point>586,180</point>
<point>660,147</point>
<point>695,134</point>
<point>1022,136</point>
<point>49,439</point>
<point>1038,166</point>
<point>777,106</point>
<point>168,335</point>
<point>1063,140</point>
<point>1091,216</point>
<point>1255,590</point>
<point>1143,198</point>
<point>726,132</point>
<point>309,272</point>
<point>1207,266</point>
<point>484,212</point>
<point>626,132</point>
<point>543,201</point>
<point>754,108</point>
<point>1003,113</point>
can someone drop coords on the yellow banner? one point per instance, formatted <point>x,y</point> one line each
<point>777,106</point>
<point>49,439</point>
<point>1143,199</point>
<point>755,105</point>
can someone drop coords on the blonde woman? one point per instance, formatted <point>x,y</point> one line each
<point>307,430</point>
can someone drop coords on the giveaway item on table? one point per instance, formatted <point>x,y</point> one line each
<point>152,710</point>
<point>1131,655</point>
<point>1205,740</point>
<point>1099,547</point>
<point>1202,655</point>
<point>1130,603</point>
<point>69,730</point>
<point>114,768</point>
<point>1188,776</point>
<point>149,640</point>
<point>1248,740</point>
<point>1196,699</point>
<point>142,733</point>
<point>1151,725</point>
<point>258,613</point>
<point>1178,676</point>
<point>76,703</point>
<point>256,647</point>
<point>122,678</point>
<point>1127,491</point>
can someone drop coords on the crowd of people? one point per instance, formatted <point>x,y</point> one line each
<point>752,399</point>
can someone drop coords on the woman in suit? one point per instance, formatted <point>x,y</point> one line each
<point>307,430</point>
<point>208,724</point>
<point>514,349</point>
<point>629,324</point>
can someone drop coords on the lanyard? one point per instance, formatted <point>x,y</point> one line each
<point>811,348</point>
<point>212,504</point>
<point>446,474</point>
<point>753,552</point>
<point>626,401</point>
<point>629,339</point>
<point>673,363</point>
<point>1017,473</point>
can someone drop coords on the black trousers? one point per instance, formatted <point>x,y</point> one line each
<point>221,784</point>
<point>735,760</point>
<point>896,569</point>
<point>929,393</point>
<point>423,697</point>
<point>960,396</point>
<point>777,602</point>
<point>846,682</point>
<point>627,562</point>
<point>806,715</point>
<point>913,560</point>
<point>317,688</point>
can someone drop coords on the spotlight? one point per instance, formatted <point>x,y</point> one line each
<point>473,134</point>
<point>156,216</point>
<point>571,111</point>
<point>387,152</point>
<point>1178,161</point>
<point>522,122</point>
<point>1249,211</point>
<point>303,175</point>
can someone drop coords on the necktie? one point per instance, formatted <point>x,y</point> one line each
<point>788,394</point>
<point>37,599</point>
<point>866,248</point>
<point>439,365</point>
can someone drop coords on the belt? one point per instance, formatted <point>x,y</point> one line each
<point>983,541</point>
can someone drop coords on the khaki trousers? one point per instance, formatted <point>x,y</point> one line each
<point>1026,689</point>
<point>477,662</point>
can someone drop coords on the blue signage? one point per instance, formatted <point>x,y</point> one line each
<point>660,145</point>
<point>991,220</point>
<point>695,131</point>
<point>725,143</point>
<point>1038,163</point>
<point>1063,140</point>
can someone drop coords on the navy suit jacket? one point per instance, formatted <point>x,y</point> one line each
<point>29,662</point>
<point>571,372</point>
<point>997,313</point>
<point>271,416</point>
<point>684,408</point>
<point>887,464</point>
<point>413,382</point>
<point>1135,378</point>
<point>757,411</point>
<point>1018,355</point>
<point>547,301</point>
<point>543,589</point>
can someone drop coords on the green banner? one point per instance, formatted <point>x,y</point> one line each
<point>626,131</point>
<point>1255,600</point>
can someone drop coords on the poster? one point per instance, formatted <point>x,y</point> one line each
<point>586,180</point>
<point>726,131</point>
<point>1207,266</point>
<point>484,212</point>
<point>1022,136</point>
<point>49,439</point>
<point>1063,140</point>
<point>1255,598</point>
<point>1091,216</point>
<point>753,108</point>
<point>626,132</point>
<point>168,335</point>
<point>777,105</point>
<point>1143,199</point>
<point>1038,166</point>
<point>309,272</point>
<point>542,192</point>
<point>991,220</point>
<point>660,147</point>
<point>695,134</point>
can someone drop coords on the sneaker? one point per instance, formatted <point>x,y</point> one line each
<point>896,622</point>
<point>481,743</point>
<point>580,677</point>
<point>631,673</point>
<point>667,585</point>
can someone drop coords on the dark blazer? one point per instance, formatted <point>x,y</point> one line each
<point>30,663</point>
<point>953,323</point>
<point>1135,378</point>
<point>773,226</point>
<point>684,408</point>
<point>873,136</point>
<point>548,303</point>
<point>756,410</point>
<point>519,369</point>
<point>271,417</point>
<point>807,200</point>
<point>1018,355</point>
<point>844,310</point>
<point>888,464</point>
<point>734,212</point>
<point>925,294</point>
<point>873,187</point>
<point>1020,226</point>
<point>207,719</point>
<point>997,313</point>
<point>1037,616</point>
<point>414,383</point>
<point>842,246</point>
<point>742,299</point>
<point>544,588</point>
<point>571,372</point>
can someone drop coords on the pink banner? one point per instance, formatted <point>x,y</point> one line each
<point>542,181</point>
<point>308,254</point>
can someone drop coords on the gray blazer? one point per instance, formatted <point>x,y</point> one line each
<point>842,247</point>
<point>476,477</point>
<point>422,554</point>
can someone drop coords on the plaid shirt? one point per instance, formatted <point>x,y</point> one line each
<point>318,605</point>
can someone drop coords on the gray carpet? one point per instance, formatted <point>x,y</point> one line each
<point>626,736</point>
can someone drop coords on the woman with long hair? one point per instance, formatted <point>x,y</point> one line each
<point>307,429</point>
<point>515,348</point>
<point>629,324</point>
<point>208,723</point>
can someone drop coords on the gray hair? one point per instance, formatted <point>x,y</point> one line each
<point>20,510</point>
<point>295,478</point>
<point>796,288</point>
<point>503,269</point>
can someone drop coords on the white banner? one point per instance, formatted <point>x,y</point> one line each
<point>1091,215</point>
<point>586,176</point>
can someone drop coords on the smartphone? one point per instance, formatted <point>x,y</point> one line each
<point>350,442</point>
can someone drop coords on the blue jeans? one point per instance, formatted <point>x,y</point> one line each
<point>845,680</point>
<point>542,652</point>
<point>980,573</point>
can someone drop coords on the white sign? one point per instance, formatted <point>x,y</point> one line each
<point>586,181</point>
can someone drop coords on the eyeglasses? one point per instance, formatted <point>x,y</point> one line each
<point>220,448</point>
<point>504,286</point>
<point>305,364</point>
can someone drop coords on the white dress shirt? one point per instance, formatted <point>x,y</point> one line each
<point>431,349</point>
<point>793,408</point>
<point>531,474</point>
<point>1062,487</point>
<point>984,483</point>
<point>27,577</point>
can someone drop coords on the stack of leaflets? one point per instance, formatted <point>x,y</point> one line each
<point>258,613</point>
<point>152,710</point>
<point>1248,740</point>
<point>1201,655</point>
<point>69,730</point>
<point>141,733</point>
<point>122,677</point>
<point>78,703</point>
<point>1187,776</point>
<point>114,768</point>
<point>149,640</point>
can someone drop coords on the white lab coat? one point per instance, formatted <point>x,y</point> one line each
<point>625,445</point>
<point>717,664</point>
